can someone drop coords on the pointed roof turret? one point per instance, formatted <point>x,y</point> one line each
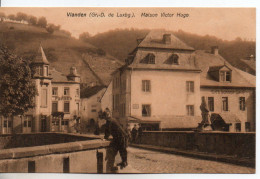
<point>41,57</point>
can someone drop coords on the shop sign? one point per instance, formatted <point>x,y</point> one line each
<point>65,98</point>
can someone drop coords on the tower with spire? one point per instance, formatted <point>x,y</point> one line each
<point>42,113</point>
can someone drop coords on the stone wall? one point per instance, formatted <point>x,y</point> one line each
<point>224,143</point>
<point>37,139</point>
<point>72,157</point>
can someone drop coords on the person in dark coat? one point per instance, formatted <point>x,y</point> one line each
<point>140,134</point>
<point>118,143</point>
<point>134,133</point>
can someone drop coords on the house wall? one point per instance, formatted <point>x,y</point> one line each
<point>107,98</point>
<point>233,104</point>
<point>90,107</point>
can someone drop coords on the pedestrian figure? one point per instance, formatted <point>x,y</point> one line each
<point>140,134</point>
<point>134,133</point>
<point>118,143</point>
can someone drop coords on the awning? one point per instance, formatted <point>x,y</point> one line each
<point>229,118</point>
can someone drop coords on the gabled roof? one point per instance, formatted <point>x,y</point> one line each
<point>154,39</point>
<point>90,91</point>
<point>205,60</point>
<point>41,57</point>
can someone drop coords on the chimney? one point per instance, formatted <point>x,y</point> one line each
<point>73,71</point>
<point>214,50</point>
<point>167,38</point>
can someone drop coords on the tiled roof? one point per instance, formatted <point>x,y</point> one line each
<point>250,63</point>
<point>154,39</point>
<point>90,91</point>
<point>40,57</point>
<point>186,61</point>
<point>206,60</point>
<point>57,76</point>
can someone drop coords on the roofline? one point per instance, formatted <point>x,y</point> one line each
<point>72,82</point>
<point>226,87</point>
<point>163,69</point>
<point>160,48</point>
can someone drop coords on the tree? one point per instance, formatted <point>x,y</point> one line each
<point>21,16</point>
<point>32,20</point>
<point>11,17</point>
<point>84,36</point>
<point>42,22</point>
<point>16,85</point>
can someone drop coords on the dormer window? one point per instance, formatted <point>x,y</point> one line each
<point>221,73</point>
<point>149,59</point>
<point>173,60</point>
<point>225,76</point>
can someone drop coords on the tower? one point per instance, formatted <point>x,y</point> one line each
<point>42,112</point>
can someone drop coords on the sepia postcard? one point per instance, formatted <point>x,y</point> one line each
<point>128,90</point>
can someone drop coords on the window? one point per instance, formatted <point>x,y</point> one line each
<point>225,76</point>
<point>27,121</point>
<point>54,91</point>
<point>146,85</point>
<point>190,110</point>
<point>151,58</point>
<point>77,92</point>
<point>225,103</point>
<point>39,70</point>
<point>211,103</point>
<point>66,91</point>
<point>46,71</point>
<point>93,110</point>
<point>117,102</point>
<point>238,127</point>
<point>55,106</point>
<point>190,86</point>
<point>247,126</point>
<point>242,103</point>
<point>173,59</point>
<point>66,107</point>
<point>44,98</point>
<point>146,110</point>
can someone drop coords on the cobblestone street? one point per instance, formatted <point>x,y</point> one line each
<point>146,161</point>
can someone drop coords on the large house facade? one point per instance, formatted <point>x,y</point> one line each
<point>57,104</point>
<point>163,81</point>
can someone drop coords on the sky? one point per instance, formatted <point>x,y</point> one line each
<point>224,23</point>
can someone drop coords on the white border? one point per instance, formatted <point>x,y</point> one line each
<point>143,3</point>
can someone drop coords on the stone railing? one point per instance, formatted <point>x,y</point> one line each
<point>226,143</point>
<point>81,155</point>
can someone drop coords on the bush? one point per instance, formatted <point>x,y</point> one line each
<point>50,28</point>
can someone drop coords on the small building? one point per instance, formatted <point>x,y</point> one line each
<point>163,81</point>
<point>90,106</point>
<point>56,105</point>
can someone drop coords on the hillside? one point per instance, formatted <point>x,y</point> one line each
<point>120,42</point>
<point>61,50</point>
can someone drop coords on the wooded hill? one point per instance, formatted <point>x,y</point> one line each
<point>61,50</point>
